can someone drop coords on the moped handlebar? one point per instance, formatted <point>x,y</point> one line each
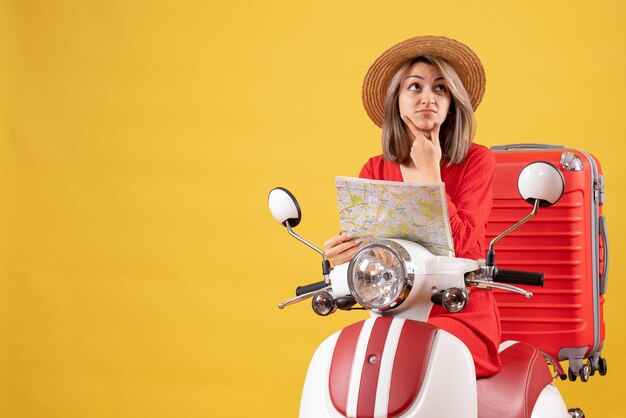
<point>308,288</point>
<point>518,277</point>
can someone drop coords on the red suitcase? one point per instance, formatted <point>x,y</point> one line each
<point>568,243</point>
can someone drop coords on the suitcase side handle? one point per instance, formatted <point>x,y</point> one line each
<point>525,146</point>
<point>605,241</point>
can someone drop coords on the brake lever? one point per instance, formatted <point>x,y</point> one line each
<point>484,284</point>
<point>300,298</point>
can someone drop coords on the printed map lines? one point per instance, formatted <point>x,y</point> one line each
<point>374,209</point>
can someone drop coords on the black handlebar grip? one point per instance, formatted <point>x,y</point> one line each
<point>301,290</point>
<point>519,277</point>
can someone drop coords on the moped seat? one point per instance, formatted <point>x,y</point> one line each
<point>512,393</point>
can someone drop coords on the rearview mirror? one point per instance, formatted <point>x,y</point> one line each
<point>284,207</point>
<point>541,181</point>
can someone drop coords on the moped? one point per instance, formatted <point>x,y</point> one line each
<point>395,364</point>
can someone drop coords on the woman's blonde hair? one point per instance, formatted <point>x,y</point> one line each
<point>456,132</point>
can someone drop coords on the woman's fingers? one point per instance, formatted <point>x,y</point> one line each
<point>344,256</point>
<point>341,248</point>
<point>426,155</point>
<point>421,143</point>
<point>434,133</point>
<point>337,239</point>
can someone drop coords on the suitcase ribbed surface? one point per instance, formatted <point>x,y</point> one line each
<point>558,242</point>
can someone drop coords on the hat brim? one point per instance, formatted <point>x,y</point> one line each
<point>464,61</point>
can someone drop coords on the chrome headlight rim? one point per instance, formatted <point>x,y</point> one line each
<point>402,255</point>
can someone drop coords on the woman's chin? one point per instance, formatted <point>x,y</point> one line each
<point>425,125</point>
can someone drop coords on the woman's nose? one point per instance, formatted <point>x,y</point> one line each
<point>428,97</point>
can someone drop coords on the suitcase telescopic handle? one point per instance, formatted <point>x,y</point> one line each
<point>525,146</point>
<point>519,277</point>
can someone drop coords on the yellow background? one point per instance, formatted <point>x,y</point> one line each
<point>140,268</point>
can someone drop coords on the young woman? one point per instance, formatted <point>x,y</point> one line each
<point>423,92</point>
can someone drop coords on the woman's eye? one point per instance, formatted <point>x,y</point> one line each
<point>441,88</point>
<point>414,87</point>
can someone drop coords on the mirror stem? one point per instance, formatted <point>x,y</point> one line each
<point>325,263</point>
<point>490,253</point>
<point>302,240</point>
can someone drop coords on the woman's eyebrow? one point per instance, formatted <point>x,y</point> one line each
<point>421,78</point>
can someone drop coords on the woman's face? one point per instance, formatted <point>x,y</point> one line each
<point>424,96</point>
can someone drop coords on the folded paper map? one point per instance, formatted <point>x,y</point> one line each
<point>386,209</point>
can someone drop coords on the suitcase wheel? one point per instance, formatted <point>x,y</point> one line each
<point>592,367</point>
<point>597,364</point>
<point>583,373</point>
<point>570,374</point>
<point>602,368</point>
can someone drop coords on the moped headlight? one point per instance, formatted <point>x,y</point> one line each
<point>377,275</point>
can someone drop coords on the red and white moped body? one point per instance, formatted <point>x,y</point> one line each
<point>395,364</point>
